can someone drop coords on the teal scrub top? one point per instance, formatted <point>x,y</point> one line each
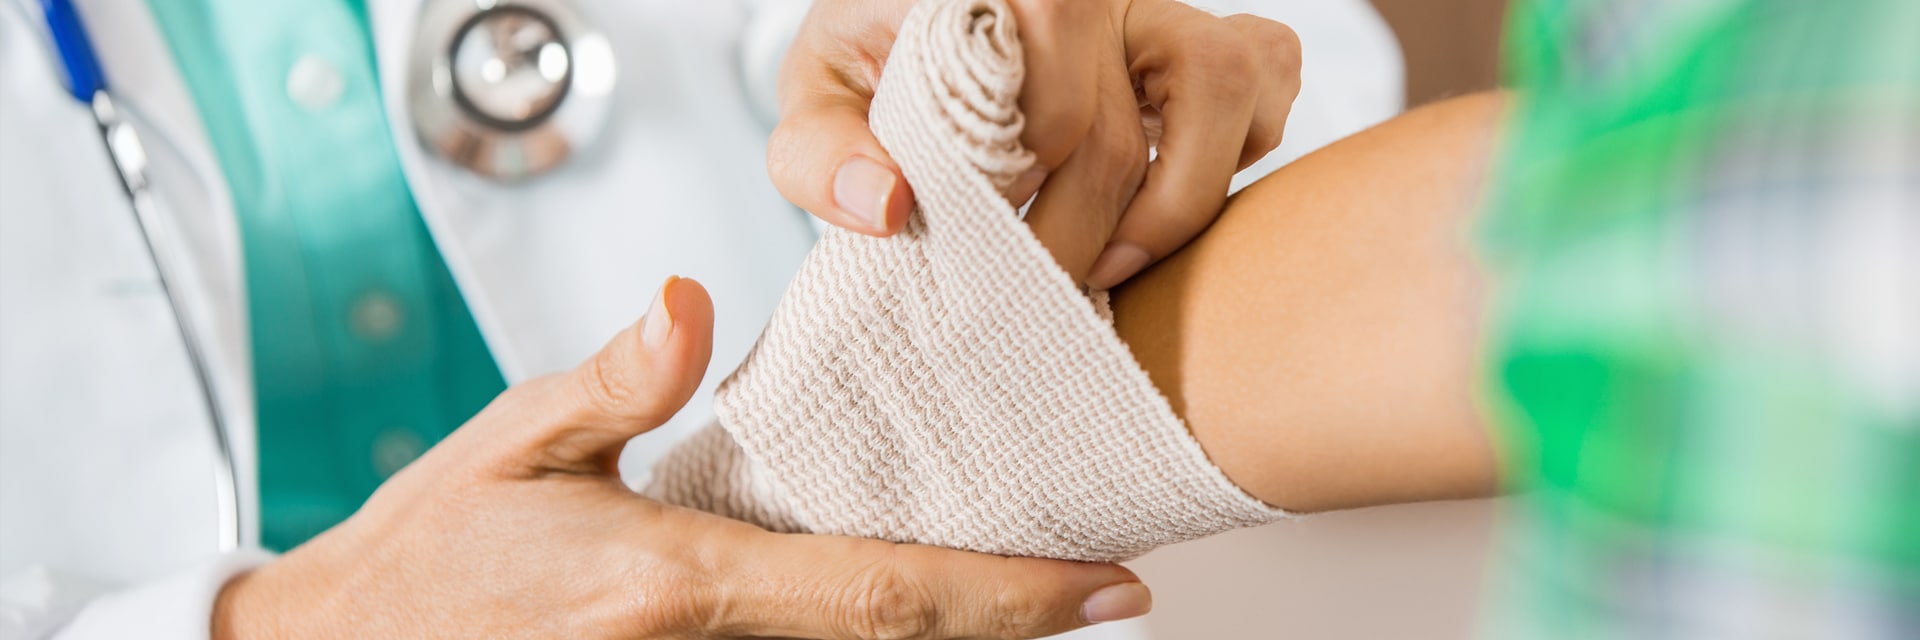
<point>364,353</point>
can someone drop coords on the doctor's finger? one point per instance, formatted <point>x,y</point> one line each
<point>1063,42</point>
<point>1076,210</point>
<point>579,420</point>
<point>810,586</point>
<point>1203,78</point>
<point>1277,49</point>
<point>824,159</point>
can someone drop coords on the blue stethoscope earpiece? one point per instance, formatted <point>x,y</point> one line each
<point>79,69</point>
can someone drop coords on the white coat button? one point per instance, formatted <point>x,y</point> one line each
<point>376,316</point>
<point>394,449</point>
<point>314,83</point>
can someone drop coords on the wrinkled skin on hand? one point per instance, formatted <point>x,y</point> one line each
<point>517,525</point>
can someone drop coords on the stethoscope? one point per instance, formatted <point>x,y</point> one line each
<point>508,89</point>
<point>84,81</point>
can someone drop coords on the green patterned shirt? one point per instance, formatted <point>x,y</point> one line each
<point>1706,351</point>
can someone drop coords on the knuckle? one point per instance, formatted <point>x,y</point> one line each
<point>1282,40</point>
<point>1263,137</point>
<point>1226,56</point>
<point>1270,37</point>
<point>667,595</point>
<point>882,604</point>
<point>607,385</point>
<point>1019,615</point>
<point>1224,69</point>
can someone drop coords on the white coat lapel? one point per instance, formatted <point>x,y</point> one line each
<point>196,210</point>
<point>675,184</point>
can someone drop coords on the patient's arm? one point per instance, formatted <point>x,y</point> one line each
<point>1320,338</point>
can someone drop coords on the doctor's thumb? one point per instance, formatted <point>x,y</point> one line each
<point>824,159</point>
<point>578,421</point>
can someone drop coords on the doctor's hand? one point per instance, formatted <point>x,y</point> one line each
<point>518,526</point>
<point>1105,80</point>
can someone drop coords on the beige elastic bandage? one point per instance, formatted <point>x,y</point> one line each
<point>950,385</point>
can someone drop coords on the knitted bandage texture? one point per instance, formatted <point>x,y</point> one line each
<point>951,385</point>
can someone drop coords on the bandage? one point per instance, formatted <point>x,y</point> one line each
<point>951,385</point>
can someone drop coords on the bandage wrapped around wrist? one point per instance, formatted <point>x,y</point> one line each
<point>951,385</point>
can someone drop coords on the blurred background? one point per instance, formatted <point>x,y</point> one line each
<point>1409,571</point>
<point>1451,46</point>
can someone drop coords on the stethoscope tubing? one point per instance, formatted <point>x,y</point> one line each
<point>86,83</point>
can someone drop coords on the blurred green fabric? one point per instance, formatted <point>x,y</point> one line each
<point>1706,234</point>
<point>364,353</point>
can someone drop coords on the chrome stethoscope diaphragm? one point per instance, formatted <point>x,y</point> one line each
<point>508,89</point>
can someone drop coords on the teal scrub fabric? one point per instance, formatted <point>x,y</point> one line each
<point>364,353</point>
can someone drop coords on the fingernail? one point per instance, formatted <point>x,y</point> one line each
<point>1026,186</point>
<point>659,320</point>
<point>1118,602</point>
<point>1117,263</point>
<point>862,187</point>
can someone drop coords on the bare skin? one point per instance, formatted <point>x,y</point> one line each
<point>1220,88</point>
<point>1320,337</point>
<point>517,526</point>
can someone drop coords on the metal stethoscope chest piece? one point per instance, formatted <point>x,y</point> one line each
<point>508,89</point>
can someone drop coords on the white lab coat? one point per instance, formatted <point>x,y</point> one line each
<point>107,516</point>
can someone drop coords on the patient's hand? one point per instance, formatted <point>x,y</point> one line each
<point>1219,88</point>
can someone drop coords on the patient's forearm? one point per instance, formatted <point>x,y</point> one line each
<point>1320,338</point>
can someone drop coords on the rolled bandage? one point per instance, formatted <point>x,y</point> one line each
<point>951,385</point>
